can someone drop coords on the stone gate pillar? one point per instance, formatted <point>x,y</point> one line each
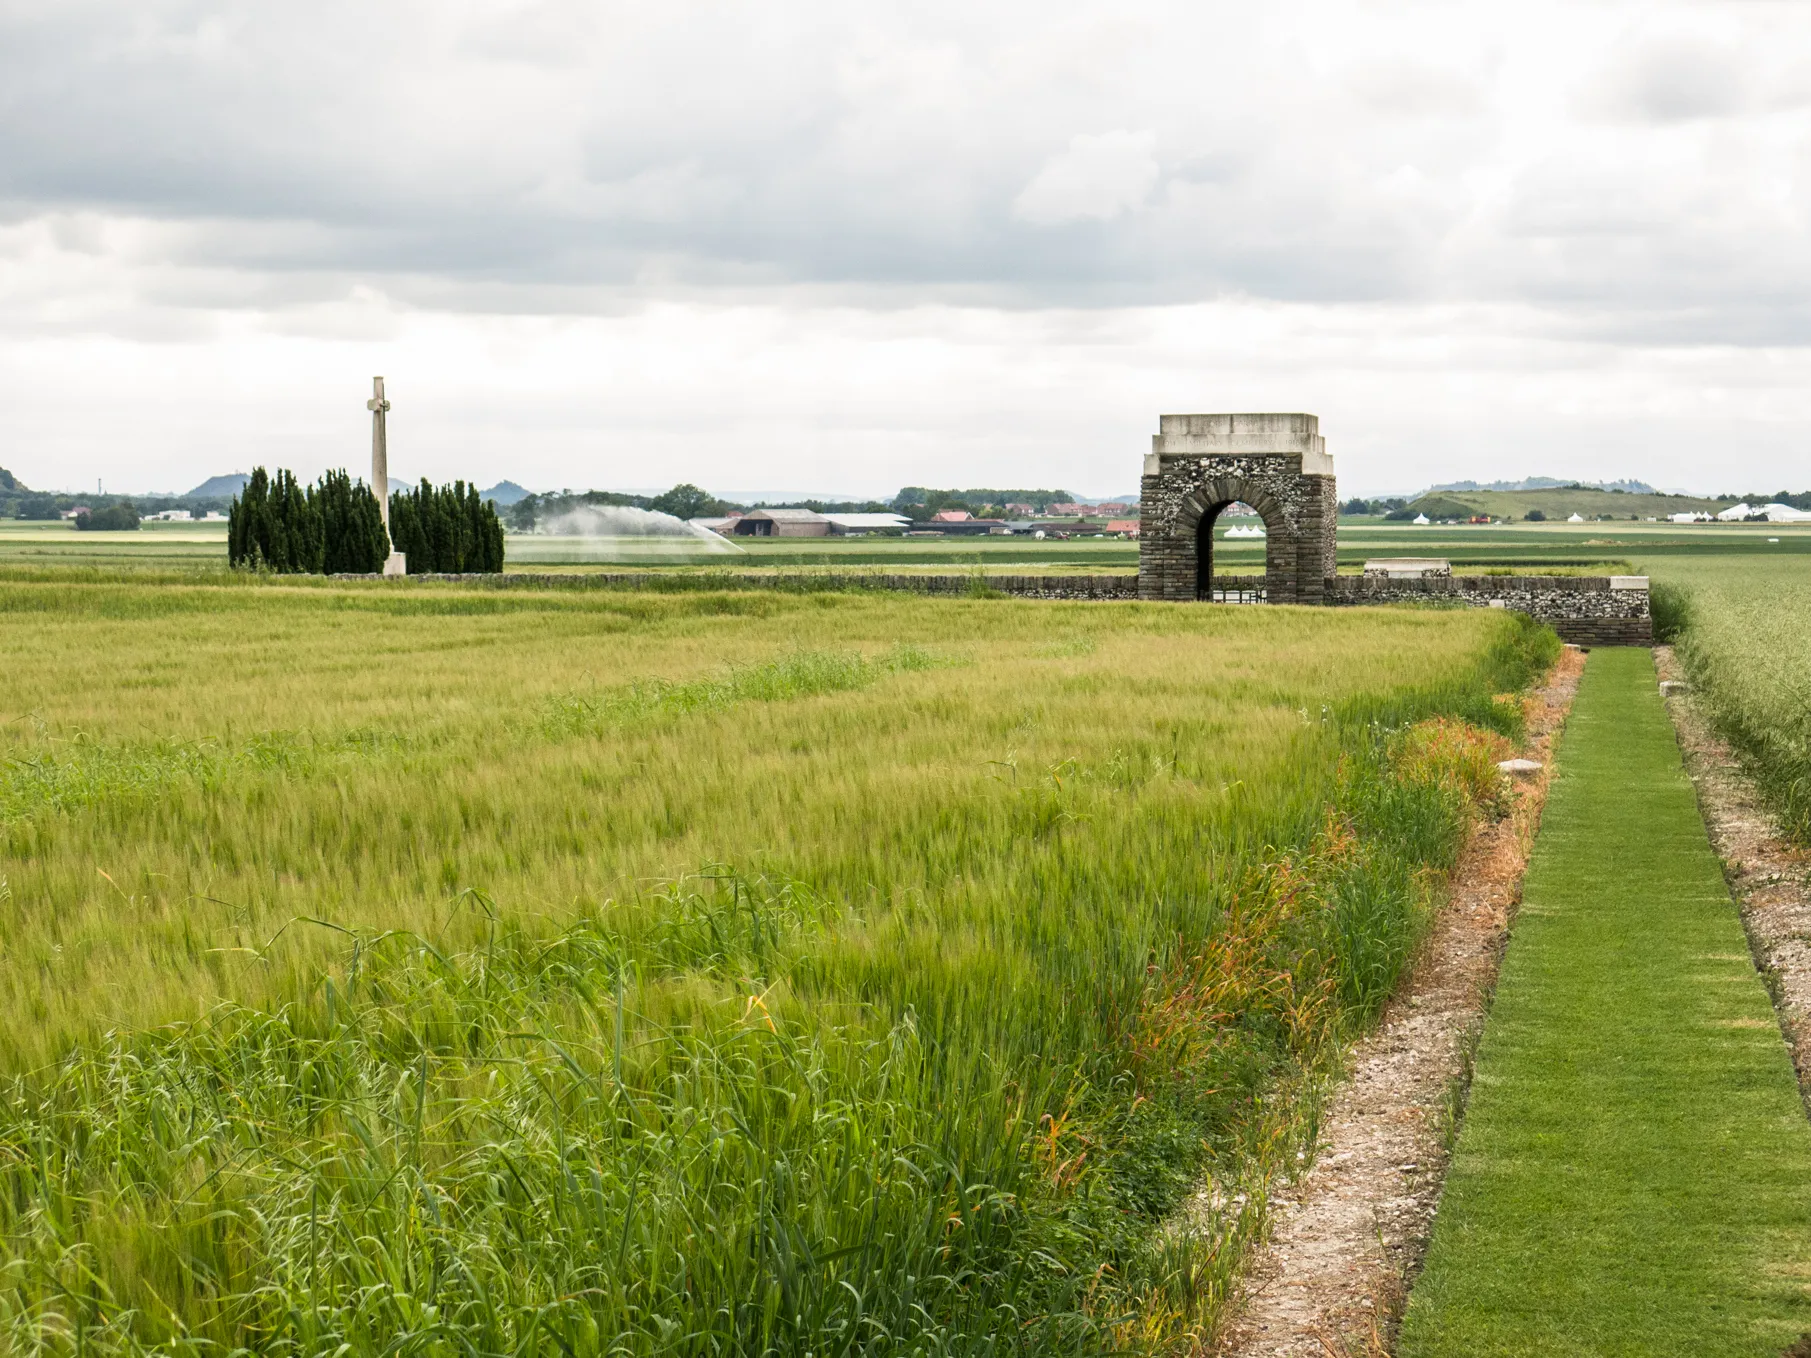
<point>1199,464</point>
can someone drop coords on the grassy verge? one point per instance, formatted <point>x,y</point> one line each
<point>1633,1176</point>
<point>458,972</point>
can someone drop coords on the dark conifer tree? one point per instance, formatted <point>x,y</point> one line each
<point>277,524</point>
<point>352,525</point>
<point>247,531</point>
<point>407,533</point>
<point>446,529</point>
<point>273,525</point>
<point>303,541</point>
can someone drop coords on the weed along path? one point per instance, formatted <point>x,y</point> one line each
<point>1633,1175</point>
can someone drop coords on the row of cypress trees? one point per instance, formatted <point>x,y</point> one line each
<point>334,527</point>
<point>447,529</point>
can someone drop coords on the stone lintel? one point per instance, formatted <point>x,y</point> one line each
<point>1256,435</point>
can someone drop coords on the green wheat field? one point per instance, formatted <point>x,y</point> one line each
<point>441,970</point>
<point>444,971</point>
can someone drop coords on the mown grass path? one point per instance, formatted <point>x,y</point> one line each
<point>1634,1172</point>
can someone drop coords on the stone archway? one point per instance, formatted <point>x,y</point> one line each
<point>1199,464</point>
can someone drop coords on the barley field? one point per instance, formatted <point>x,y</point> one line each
<point>437,970</point>
<point>1743,628</point>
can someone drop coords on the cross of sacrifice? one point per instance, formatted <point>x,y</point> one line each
<point>380,451</point>
<point>396,564</point>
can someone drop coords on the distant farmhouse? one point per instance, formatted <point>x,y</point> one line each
<point>802,523</point>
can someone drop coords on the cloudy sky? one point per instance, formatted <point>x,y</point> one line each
<point>841,246</point>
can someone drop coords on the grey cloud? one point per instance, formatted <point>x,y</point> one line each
<point>557,155</point>
<point>1671,81</point>
<point>1415,90</point>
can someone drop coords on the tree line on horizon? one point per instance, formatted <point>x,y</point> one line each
<point>335,527</point>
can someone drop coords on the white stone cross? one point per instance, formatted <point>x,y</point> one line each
<point>397,564</point>
<point>380,450</point>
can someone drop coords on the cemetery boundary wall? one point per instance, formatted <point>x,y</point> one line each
<point>1587,610</point>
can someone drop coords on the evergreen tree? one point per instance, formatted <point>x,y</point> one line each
<point>405,531</point>
<point>304,540</point>
<point>446,529</point>
<point>276,525</point>
<point>352,524</point>
<point>336,527</point>
<point>248,523</point>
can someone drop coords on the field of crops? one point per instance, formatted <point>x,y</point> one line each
<point>451,972</point>
<point>1746,639</point>
<point>201,548</point>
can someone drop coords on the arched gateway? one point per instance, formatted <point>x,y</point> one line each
<point>1199,464</point>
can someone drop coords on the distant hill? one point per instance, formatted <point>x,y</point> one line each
<point>505,493</point>
<point>220,487</point>
<point>1560,502</point>
<point>10,482</point>
<point>1547,483</point>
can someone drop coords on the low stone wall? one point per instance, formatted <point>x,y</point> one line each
<point>1584,609</point>
<point>807,582</point>
<point>1587,610</point>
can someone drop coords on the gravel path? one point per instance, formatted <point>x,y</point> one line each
<point>1350,1233</point>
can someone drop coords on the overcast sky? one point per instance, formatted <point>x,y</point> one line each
<point>841,246</point>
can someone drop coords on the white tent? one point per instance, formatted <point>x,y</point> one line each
<point>1736,513</point>
<point>1779,513</point>
<point>1422,518</point>
<point>1576,518</point>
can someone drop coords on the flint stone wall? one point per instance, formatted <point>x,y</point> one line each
<point>1587,610</point>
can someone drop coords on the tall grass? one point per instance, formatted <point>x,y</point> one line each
<point>817,997</point>
<point>1743,628</point>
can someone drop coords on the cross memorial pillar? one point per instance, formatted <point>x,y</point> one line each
<point>397,563</point>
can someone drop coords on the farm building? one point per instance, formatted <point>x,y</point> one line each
<point>843,524</point>
<point>803,523</point>
<point>782,523</point>
<point>968,526</point>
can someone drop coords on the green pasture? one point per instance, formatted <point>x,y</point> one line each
<point>1633,1176</point>
<point>1518,546</point>
<point>197,546</point>
<point>1560,502</point>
